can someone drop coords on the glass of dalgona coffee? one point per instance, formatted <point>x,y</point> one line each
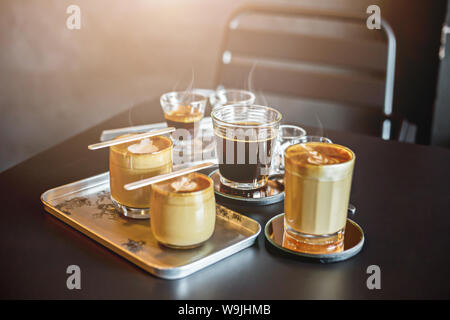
<point>318,177</point>
<point>133,161</point>
<point>183,211</point>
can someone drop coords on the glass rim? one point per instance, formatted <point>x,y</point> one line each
<point>201,97</point>
<point>353,158</point>
<point>291,126</point>
<point>132,154</point>
<point>231,124</point>
<point>246,92</point>
<point>317,137</point>
<point>186,194</point>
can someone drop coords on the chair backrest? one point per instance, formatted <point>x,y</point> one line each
<point>314,54</point>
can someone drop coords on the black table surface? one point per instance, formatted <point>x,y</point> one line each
<point>401,192</point>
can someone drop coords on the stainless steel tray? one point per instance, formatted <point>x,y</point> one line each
<point>86,206</point>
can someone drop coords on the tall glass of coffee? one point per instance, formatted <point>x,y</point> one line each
<point>318,177</point>
<point>245,142</point>
<point>183,110</point>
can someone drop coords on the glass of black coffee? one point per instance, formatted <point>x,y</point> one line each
<point>245,142</point>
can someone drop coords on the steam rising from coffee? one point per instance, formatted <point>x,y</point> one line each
<point>238,146</point>
<point>190,86</point>
<point>261,97</point>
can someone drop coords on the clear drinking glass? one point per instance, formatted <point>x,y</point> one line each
<point>183,211</point>
<point>306,139</point>
<point>317,179</point>
<point>183,110</point>
<point>287,136</point>
<point>224,97</point>
<point>133,161</point>
<point>245,143</point>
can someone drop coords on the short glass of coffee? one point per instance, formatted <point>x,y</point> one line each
<point>183,211</point>
<point>137,160</point>
<point>183,110</point>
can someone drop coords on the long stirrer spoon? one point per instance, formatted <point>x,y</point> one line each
<point>146,182</point>
<point>133,137</point>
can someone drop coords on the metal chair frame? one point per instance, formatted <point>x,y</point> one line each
<point>282,10</point>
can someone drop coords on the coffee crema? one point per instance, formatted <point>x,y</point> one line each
<point>184,117</point>
<point>183,210</point>
<point>133,161</point>
<point>318,153</point>
<point>188,183</point>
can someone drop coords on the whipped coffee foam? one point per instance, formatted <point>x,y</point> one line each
<point>145,146</point>
<point>183,184</point>
<point>318,154</point>
<point>318,158</point>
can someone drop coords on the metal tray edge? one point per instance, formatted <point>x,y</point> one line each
<point>216,257</point>
<point>45,194</point>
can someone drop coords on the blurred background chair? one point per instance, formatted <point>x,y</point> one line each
<point>325,69</point>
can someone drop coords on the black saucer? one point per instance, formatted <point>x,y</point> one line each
<point>273,192</point>
<point>353,241</point>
